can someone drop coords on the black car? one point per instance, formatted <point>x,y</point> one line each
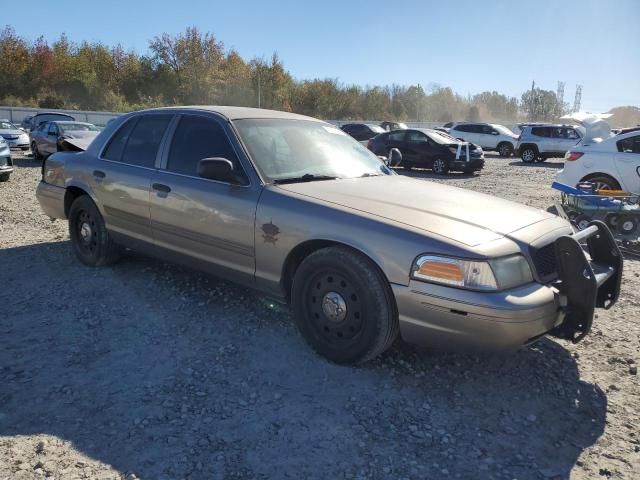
<point>388,126</point>
<point>429,149</point>
<point>362,131</point>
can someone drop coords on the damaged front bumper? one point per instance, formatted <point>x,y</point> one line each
<point>458,319</point>
<point>586,282</point>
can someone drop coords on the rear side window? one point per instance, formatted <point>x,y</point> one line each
<point>629,145</point>
<point>540,131</point>
<point>416,137</point>
<point>396,136</point>
<point>119,141</point>
<point>144,141</point>
<point>197,138</point>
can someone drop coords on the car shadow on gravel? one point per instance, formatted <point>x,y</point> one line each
<point>164,373</point>
<point>27,162</point>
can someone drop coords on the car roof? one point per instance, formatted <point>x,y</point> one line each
<point>63,122</point>
<point>237,113</point>
<point>52,113</point>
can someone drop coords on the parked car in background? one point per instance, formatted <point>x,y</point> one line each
<point>388,126</point>
<point>362,131</point>
<point>57,136</point>
<point>26,123</point>
<point>612,164</point>
<point>6,163</point>
<point>39,118</point>
<point>13,135</point>
<point>539,142</point>
<point>427,148</point>
<point>625,130</point>
<point>489,136</point>
<point>290,205</point>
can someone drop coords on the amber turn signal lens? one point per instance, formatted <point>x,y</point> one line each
<point>441,270</point>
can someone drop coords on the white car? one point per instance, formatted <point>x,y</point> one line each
<point>489,136</point>
<point>611,164</point>
<point>13,135</point>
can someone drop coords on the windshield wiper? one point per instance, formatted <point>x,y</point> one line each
<point>307,177</point>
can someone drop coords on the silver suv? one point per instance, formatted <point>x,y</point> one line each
<point>539,142</point>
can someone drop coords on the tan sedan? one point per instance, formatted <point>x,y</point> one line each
<point>294,207</point>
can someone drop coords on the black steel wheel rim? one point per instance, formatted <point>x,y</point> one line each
<point>324,292</point>
<point>86,233</point>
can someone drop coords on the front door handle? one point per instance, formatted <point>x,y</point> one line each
<point>99,175</point>
<point>161,187</point>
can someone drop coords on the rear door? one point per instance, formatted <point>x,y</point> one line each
<point>121,178</point>
<point>628,163</point>
<point>204,222</point>
<point>541,136</point>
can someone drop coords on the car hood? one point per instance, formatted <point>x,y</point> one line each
<point>11,132</point>
<point>464,216</point>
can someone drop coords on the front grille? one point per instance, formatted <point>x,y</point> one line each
<point>11,137</point>
<point>544,260</point>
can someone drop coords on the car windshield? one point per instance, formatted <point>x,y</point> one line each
<point>4,125</point>
<point>78,127</point>
<point>293,149</point>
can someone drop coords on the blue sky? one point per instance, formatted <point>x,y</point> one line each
<point>470,46</point>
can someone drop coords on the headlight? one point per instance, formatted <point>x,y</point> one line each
<point>495,274</point>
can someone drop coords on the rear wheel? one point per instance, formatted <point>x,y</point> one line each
<point>4,177</point>
<point>90,239</point>
<point>343,305</point>
<point>505,149</point>
<point>528,155</point>
<point>440,166</point>
<point>603,182</point>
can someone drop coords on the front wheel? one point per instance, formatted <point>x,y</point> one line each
<point>343,305</point>
<point>4,177</point>
<point>528,155</point>
<point>440,166</point>
<point>90,239</point>
<point>627,224</point>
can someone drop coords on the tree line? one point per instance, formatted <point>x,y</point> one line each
<point>194,67</point>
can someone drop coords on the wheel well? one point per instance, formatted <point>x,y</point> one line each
<point>591,176</point>
<point>505,142</point>
<point>71,194</point>
<point>302,251</point>
<point>529,145</point>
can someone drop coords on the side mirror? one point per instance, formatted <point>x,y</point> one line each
<point>395,158</point>
<point>216,169</point>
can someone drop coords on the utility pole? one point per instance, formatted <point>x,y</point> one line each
<point>259,86</point>
<point>578,99</point>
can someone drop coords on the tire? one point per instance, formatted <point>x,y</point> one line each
<point>612,220</point>
<point>627,225</point>
<point>4,177</point>
<point>602,182</point>
<point>440,166</point>
<point>36,153</point>
<point>528,155</point>
<point>505,149</point>
<point>343,305</point>
<point>90,239</point>
<point>581,221</point>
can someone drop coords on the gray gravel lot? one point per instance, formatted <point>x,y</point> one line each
<point>146,370</point>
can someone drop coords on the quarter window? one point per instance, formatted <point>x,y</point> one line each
<point>119,141</point>
<point>629,145</point>
<point>197,138</point>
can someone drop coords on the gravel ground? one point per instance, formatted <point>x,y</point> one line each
<point>146,370</point>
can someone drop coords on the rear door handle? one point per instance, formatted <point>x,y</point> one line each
<point>161,187</point>
<point>99,174</point>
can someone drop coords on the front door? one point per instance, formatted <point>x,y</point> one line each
<point>416,146</point>
<point>203,222</point>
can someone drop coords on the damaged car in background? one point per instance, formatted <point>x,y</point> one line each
<point>294,207</point>
<point>60,136</point>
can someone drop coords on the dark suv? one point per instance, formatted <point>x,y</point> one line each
<point>539,142</point>
<point>429,149</point>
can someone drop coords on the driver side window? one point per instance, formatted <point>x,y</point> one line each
<point>629,145</point>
